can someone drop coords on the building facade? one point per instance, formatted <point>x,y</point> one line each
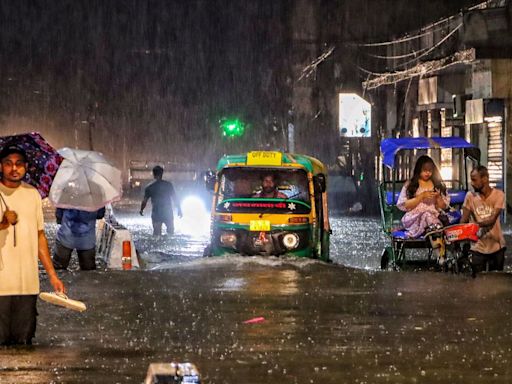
<point>451,78</point>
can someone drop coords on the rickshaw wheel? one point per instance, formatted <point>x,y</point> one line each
<point>384,259</point>
<point>464,266</point>
<point>452,266</point>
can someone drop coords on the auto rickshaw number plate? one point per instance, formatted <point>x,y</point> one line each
<point>259,225</point>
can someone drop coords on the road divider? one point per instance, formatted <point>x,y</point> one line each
<point>115,246</point>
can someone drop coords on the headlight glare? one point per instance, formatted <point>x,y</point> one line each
<point>291,240</point>
<point>228,239</point>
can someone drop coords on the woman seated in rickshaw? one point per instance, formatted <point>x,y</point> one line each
<point>422,198</point>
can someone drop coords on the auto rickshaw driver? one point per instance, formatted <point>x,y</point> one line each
<point>269,188</point>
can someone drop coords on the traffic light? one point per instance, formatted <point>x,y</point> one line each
<point>232,127</point>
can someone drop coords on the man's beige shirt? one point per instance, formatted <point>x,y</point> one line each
<point>19,272</point>
<point>492,239</point>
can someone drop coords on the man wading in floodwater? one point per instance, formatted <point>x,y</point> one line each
<point>161,193</point>
<point>484,207</point>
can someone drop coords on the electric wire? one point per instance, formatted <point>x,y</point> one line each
<point>433,47</point>
<point>425,31</point>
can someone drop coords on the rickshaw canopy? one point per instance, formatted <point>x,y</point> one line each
<point>390,147</point>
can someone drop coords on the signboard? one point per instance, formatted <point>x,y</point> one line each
<point>427,91</point>
<point>264,158</point>
<point>258,205</point>
<point>474,111</point>
<point>355,116</point>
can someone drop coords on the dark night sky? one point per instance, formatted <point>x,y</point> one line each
<point>163,72</point>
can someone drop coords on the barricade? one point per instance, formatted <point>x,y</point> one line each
<point>116,246</point>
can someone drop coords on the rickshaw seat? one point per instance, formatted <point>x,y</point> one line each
<point>399,234</point>
<point>454,217</point>
<point>456,197</point>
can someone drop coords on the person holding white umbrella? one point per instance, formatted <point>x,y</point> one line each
<point>84,184</point>
<point>77,231</point>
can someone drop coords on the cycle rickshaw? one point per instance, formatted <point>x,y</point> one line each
<point>398,158</point>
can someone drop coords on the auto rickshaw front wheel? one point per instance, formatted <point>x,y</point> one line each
<point>207,252</point>
<point>325,244</point>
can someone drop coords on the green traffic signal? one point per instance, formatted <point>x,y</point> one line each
<point>232,128</point>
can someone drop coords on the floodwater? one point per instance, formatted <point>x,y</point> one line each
<point>345,322</point>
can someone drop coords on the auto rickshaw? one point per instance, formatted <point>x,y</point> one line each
<point>398,159</point>
<point>294,221</point>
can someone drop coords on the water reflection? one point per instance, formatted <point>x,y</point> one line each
<point>323,322</point>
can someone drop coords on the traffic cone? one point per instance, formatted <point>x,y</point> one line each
<point>127,255</point>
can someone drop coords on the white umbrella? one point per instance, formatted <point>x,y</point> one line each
<point>85,180</point>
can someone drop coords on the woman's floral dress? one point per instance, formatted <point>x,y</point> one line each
<point>425,214</point>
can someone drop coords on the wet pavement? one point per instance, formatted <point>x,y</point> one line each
<point>323,323</point>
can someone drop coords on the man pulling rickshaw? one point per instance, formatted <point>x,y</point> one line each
<point>484,206</point>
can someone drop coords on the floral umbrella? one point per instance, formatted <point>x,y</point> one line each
<point>43,160</point>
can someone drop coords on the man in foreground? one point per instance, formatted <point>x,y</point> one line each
<point>22,242</point>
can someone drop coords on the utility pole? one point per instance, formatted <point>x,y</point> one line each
<point>91,122</point>
<point>291,133</point>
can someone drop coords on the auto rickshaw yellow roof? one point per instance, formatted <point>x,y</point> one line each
<point>272,159</point>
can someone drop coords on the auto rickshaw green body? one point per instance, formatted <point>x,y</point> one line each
<point>243,223</point>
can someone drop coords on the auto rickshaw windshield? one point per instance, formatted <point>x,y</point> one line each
<point>247,182</point>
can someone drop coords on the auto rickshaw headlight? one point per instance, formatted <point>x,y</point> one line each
<point>228,239</point>
<point>291,240</point>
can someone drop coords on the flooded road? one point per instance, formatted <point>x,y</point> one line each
<point>323,323</point>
